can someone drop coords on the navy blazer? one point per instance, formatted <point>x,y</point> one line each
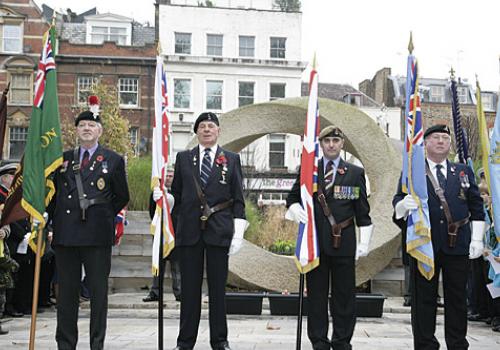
<point>220,226</point>
<point>463,202</point>
<point>103,177</point>
<point>342,209</point>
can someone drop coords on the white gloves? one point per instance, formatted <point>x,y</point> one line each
<point>404,206</point>
<point>476,245</point>
<point>365,235</point>
<point>240,226</point>
<point>296,213</point>
<point>157,193</point>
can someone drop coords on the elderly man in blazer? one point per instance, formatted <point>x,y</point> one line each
<point>451,191</point>
<point>91,188</point>
<point>208,193</point>
<point>343,187</point>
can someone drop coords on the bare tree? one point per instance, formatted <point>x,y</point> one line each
<point>288,5</point>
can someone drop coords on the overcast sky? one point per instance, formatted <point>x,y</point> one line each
<point>354,39</point>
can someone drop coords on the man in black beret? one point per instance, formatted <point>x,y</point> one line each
<point>91,188</point>
<point>340,204</point>
<point>210,211</point>
<point>452,196</point>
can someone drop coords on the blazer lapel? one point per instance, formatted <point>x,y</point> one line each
<point>94,166</point>
<point>215,172</point>
<point>195,155</point>
<point>340,172</point>
<point>451,175</point>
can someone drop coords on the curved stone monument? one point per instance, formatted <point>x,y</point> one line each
<point>255,268</point>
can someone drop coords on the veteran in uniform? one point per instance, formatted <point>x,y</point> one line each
<point>91,188</point>
<point>457,227</point>
<point>339,203</point>
<point>208,192</point>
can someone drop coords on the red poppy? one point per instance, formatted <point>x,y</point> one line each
<point>221,159</point>
<point>99,158</point>
<point>341,171</point>
<point>462,173</point>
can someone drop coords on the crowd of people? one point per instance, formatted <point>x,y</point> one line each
<point>206,194</point>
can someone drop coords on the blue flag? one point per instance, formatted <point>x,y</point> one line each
<point>494,166</point>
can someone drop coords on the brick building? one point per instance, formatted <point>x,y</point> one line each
<point>435,94</point>
<point>21,31</point>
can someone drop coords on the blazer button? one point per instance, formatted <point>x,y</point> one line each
<point>92,184</point>
<point>441,207</point>
<point>441,221</point>
<point>68,211</point>
<point>69,196</point>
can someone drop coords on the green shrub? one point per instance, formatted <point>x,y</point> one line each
<point>139,182</point>
<point>255,220</point>
<point>283,247</point>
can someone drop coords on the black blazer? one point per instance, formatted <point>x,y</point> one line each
<point>462,202</point>
<point>220,226</point>
<point>342,209</point>
<point>103,177</point>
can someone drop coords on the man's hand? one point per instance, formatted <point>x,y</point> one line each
<point>3,233</point>
<point>296,213</point>
<point>157,193</point>
<point>365,235</point>
<point>405,205</point>
<point>240,226</point>
<point>476,246</point>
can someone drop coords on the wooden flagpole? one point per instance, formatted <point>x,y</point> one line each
<point>36,284</point>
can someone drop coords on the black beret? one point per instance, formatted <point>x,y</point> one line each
<point>87,115</point>
<point>437,128</point>
<point>331,131</point>
<point>205,116</point>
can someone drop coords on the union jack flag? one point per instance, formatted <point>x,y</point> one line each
<point>307,251</point>
<point>120,223</point>
<point>162,221</point>
<point>414,182</point>
<point>46,64</point>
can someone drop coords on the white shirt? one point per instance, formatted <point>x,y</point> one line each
<point>433,168</point>
<point>213,150</point>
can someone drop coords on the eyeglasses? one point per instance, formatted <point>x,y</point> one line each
<point>437,137</point>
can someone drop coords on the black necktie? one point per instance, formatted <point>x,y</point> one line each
<point>329,176</point>
<point>85,159</point>
<point>440,177</point>
<point>206,167</point>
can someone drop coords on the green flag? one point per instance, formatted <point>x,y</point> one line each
<point>43,151</point>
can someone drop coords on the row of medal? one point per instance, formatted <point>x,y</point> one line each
<point>346,192</point>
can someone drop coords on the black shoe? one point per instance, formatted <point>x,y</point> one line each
<point>13,313</point>
<point>3,331</point>
<point>407,302</point>
<point>440,303</point>
<point>222,346</point>
<point>477,318</point>
<point>152,297</point>
<point>181,348</point>
<point>177,298</point>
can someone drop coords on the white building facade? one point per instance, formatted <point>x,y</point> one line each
<point>223,57</point>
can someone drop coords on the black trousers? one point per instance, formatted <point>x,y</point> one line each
<point>191,260</point>
<point>175,272</point>
<point>340,271</point>
<point>454,270</point>
<point>97,264</point>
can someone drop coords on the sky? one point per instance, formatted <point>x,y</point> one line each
<point>354,39</point>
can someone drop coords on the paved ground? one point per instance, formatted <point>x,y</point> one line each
<point>131,326</point>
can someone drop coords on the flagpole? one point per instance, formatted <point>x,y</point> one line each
<point>161,273</point>
<point>298,342</point>
<point>36,284</point>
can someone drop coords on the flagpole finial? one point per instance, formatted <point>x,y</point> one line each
<point>477,81</point>
<point>53,22</point>
<point>452,73</point>
<point>410,44</point>
<point>314,62</point>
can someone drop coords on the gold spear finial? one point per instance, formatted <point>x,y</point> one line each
<point>452,73</point>
<point>158,48</point>
<point>53,22</point>
<point>410,44</point>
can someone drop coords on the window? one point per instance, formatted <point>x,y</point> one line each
<point>17,139</point>
<point>214,45</point>
<point>182,93</point>
<point>462,94</point>
<point>246,93</point>
<point>84,88</point>
<point>247,46</point>
<point>183,43</point>
<point>133,135</point>
<point>487,100</point>
<point>276,151</point>
<point>128,92</point>
<point>277,90</point>
<point>12,38</point>
<point>437,94</point>
<point>99,35</point>
<point>214,94</point>
<point>278,47</point>
<point>20,89</point>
